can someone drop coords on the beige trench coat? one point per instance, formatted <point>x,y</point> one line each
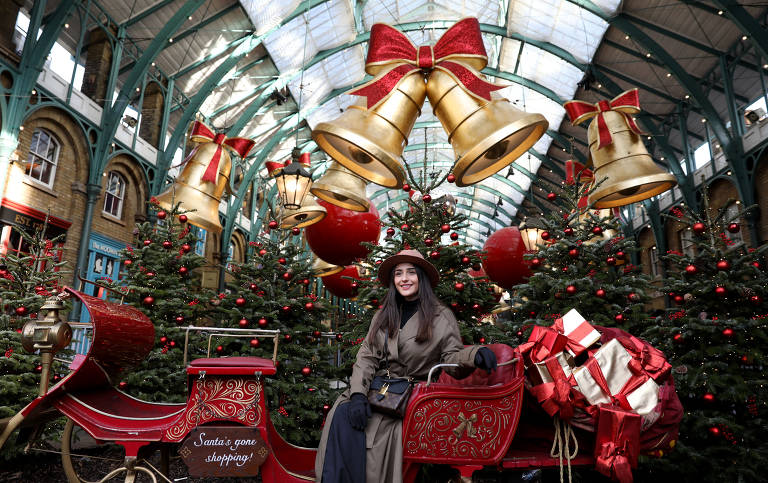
<point>407,358</point>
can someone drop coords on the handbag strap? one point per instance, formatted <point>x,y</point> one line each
<point>386,350</point>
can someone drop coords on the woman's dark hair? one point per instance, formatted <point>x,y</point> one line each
<point>428,306</point>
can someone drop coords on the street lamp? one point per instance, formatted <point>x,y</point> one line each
<point>293,181</point>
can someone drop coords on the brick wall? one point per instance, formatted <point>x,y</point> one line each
<point>761,193</point>
<point>98,60</point>
<point>9,10</point>
<point>152,114</point>
<point>721,193</point>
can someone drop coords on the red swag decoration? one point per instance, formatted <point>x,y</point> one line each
<point>392,57</point>
<point>275,166</point>
<point>203,134</point>
<point>625,103</point>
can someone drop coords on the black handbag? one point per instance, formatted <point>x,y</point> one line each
<point>389,395</point>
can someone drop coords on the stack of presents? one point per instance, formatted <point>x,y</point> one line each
<point>606,381</point>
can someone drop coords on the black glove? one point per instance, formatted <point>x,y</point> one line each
<point>485,359</point>
<point>359,411</point>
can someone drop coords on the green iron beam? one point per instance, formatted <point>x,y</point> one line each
<point>756,33</point>
<point>213,54</point>
<point>146,13</point>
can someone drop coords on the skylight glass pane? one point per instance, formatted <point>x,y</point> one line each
<point>550,71</point>
<point>510,50</point>
<point>265,14</point>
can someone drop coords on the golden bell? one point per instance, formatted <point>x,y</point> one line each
<point>195,194</point>
<point>341,187</point>
<point>370,142</point>
<point>309,212</point>
<point>624,170</point>
<point>321,268</point>
<point>485,135</point>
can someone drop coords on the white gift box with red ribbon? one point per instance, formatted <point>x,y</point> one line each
<point>607,378</point>
<point>564,360</point>
<point>576,328</point>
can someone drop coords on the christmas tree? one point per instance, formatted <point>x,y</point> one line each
<point>26,280</point>
<point>273,290</point>
<point>159,279</point>
<point>582,262</point>
<point>715,338</point>
<point>432,227</point>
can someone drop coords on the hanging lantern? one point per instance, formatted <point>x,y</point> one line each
<point>624,171</point>
<point>308,213</point>
<point>293,181</point>
<point>531,237</point>
<point>341,187</point>
<point>321,268</point>
<point>205,176</point>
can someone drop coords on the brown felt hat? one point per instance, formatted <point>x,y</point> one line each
<point>407,256</point>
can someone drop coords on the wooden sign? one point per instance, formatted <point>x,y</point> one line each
<point>224,451</point>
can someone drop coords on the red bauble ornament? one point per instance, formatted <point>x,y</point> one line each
<point>21,311</point>
<point>287,337</point>
<point>756,299</point>
<point>282,261</point>
<point>339,337</point>
<point>756,265</point>
<point>128,263</point>
<point>309,306</point>
<point>243,323</point>
<point>503,261</point>
<point>434,255</point>
<point>253,287</point>
<point>600,293</point>
<point>611,261</point>
<point>454,236</point>
<point>219,349</point>
<point>354,285</point>
<point>167,244</point>
<point>254,343</point>
<point>186,248</point>
<point>426,198</point>
<point>677,338</point>
<point>183,270</point>
<point>545,235</point>
<point>150,274</point>
<point>728,332</point>
<point>445,228</point>
<point>597,230</point>
<point>573,252</point>
<point>262,252</point>
<point>691,269</point>
<point>390,232</point>
<point>535,262</point>
<point>709,397</point>
<point>162,214</point>
<point>568,231</point>
<point>551,196</point>
<point>183,218</point>
<point>714,431</point>
<point>339,286</point>
<point>450,178</point>
<point>273,224</point>
<point>734,227</point>
<point>619,318</point>
<point>148,300</point>
<point>406,187</point>
<point>296,231</point>
<point>147,243</point>
<point>179,319</point>
<point>699,228</point>
<point>39,369</point>
<point>429,242</point>
<point>287,276</point>
<point>633,297</point>
<point>305,371</point>
<point>263,322</point>
<point>305,281</point>
<point>476,307</point>
<point>721,291</point>
<point>458,286</point>
<point>620,255</point>
<point>240,301</point>
<point>678,299</point>
<point>723,265</point>
<point>338,238</point>
<point>465,260</point>
<point>570,289</point>
<point>316,334</point>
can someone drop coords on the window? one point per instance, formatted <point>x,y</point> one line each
<point>43,156</point>
<point>201,236</point>
<point>654,255</point>
<point>686,242</point>
<point>732,214</point>
<point>113,198</point>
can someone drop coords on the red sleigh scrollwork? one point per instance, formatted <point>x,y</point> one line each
<point>219,399</point>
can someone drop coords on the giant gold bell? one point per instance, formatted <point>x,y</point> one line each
<point>370,142</point>
<point>341,187</point>
<point>308,213</point>
<point>195,194</point>
<point>624,171</point>
<point>485,135</point>
<point>321,268</point>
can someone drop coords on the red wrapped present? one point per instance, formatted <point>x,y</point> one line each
<point>617,443</point>
<point>554,392</point>
<point>613,376</point>
<point>543,343</point>
<point>579,332</point>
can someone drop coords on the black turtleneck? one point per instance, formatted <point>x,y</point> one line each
<point>407,309</point>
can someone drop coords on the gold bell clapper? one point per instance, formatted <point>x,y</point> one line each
<point>308,213</point>
<point>485,135</point>
<point>624,171</point>
<point>370,141</point>
<point>205,176</point>
<point>341,187</point>
<point>321,268</point>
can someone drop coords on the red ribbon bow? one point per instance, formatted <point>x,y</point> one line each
<point>203,134</point>
<point>555,396</point>
<point>613,461</point>
<point>626,103</point>
<point>392,56</point>
<point>620,399</point>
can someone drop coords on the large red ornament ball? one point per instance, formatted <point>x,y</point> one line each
<point>21,311</point>
<point>454,236</point>
<point>714,431</point>
<point>445,228</point>
<point>287,276</point>
<point>426,199</point>
<point>219,349</point>
<point>679,299</point>
<point>691,269</point>
<point>128,263</point>
<point>429,242</point>
<point>254,342</point>
<point>167,244</point>
<point>183,218</point>
<point>545,235</point>
<point>305,371</point>
<point>597,230</point>
<point>450,178</point>
<point>568,231</point>
<point>633,297</point>
<point>338,237</point>
<point>756,265</point>
<point>161,214</point>
<point>570,289</point>
<point>611,261</point>
<point>296,231</point>
<point>503,260</point>
<point>434,255</point>
<point>243,323</point>
<point>573,252</point>
<point>723,265</point>
<point>240,301</point>
<point>179,319</point>
<point>148,300</point>
<point>282,261</point>
<point>309,306</point>
<point>551,196</point>
<point>709,397</point>
<point>465,260</point>
<point>734,227</point>
<point>340,286</point>
<point>186,248</point>
<point>147,243</point>
<point>459,286</point>
<point>406,187</point>
<point>183,271</point>
<point>600,293</point>
<point>390,232</point>
<point>286,309</point>
<point>263,322</point>
<point>273,224</point>
<point>721,291</point>
<point>262,252</point>
<point>619,318</point>
<point>150,274</point>
<point>405,227</point>
<point>728,332</point>
<point>699,228</point>
<point>535,262</point>
<point>620,255</point>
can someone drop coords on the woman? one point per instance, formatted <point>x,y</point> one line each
<point>357,445</point>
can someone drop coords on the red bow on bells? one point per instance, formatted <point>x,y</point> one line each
<point>202,133</point>
<point>392,56</point>
<point>626,103</point>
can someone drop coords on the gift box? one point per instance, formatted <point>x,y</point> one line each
<point>617,443</point>
<point>543,342</point>
<point>579,332</point>
<point>610,376</point>
<point>541,372</point>
<point>552,385</point>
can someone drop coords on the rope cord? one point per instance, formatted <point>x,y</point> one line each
<point>561,445</point>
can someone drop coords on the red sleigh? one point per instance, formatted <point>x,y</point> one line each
<point>468,424</point>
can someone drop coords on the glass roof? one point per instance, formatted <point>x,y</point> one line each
<point>294,48</point>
